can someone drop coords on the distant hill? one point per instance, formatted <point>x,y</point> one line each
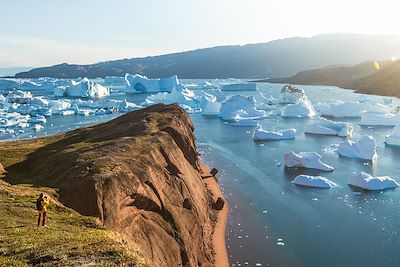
<point>279,58</point>
<point>363,78</point>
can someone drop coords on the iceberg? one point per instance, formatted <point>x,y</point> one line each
<point>115,80</point>
<point>290,94</point>
<point>211,108</point>
<point>244,123</point>
<point>13,119</point>
<point>37,127</point>
<point>82,88</point>
<point>313,181</point>
<point>369,182</point>
<point>182,96</point>
<point>310,160</point>
<point>239,87</point>
<point>141,84</point>
<point>18,96</point>
<point>379,119</point>
<point>364,148</point>
<point>303,108</point>
<point>240,107</point>
<point>327,127</point>
<point>58,106</point>
<point>343,109</point>
<point>394,138</point>
<point>259,134</point>
<point>37,119</point>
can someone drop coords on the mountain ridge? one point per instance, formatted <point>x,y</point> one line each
<point>277,58</point>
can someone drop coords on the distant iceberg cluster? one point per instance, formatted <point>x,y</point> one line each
<point>27,105</point>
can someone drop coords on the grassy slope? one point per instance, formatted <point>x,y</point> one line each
<point>70,240</point>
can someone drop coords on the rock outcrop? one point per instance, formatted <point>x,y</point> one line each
<point>140,175</point>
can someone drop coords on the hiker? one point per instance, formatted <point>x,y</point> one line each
<point>41,205</point>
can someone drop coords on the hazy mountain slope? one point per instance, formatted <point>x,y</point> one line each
<point>383,82</point>
<point>279,58</point>
<point>342,76</point>
<point>363,78</point>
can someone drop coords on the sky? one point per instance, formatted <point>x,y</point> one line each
<point>48,32</point>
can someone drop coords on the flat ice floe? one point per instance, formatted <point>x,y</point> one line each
<point>82,88</point>
<point>290,94</point>
<point>303,108</point>
<point>394,138</point>
<point>379,119</point>
<point>244,123</point>
<point>239,87</point>
<point>259,134</point>
<point>327,127</point>
<point>313,181</point>
<point>343,109</point>
<point>364,148</point>
<point>369,182</point>
<point>240,107</point>
<point>310,160</point>
<point>141,84</point>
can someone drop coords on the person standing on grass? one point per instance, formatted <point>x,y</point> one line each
<point>41,205</point>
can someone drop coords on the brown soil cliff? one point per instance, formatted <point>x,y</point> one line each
<point>139,174</point>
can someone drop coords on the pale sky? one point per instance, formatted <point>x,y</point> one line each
<point>48,32</point>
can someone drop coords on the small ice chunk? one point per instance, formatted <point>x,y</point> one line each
<point>259,134</point>
<point>368,182</point>
<point>311,160</point>
<point>364,148</point>
<point>313,181</point>
<point>327,127</point>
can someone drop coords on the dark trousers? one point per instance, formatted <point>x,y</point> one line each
<point>44,219</point>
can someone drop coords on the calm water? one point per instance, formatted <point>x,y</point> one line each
<point>319,227</point>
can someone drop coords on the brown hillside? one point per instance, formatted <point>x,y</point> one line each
<point>134,173</point>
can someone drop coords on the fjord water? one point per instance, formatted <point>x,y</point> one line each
<point>318,227</point>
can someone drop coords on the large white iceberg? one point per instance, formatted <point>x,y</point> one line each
<point>364,148</point>
<point>368,182</point>
<point>82,88</point>
<point>141,84</point>
<point>328,127</point>
<point>311,160</point>
<point>313,181</point>
<point>239,87</point>
<point>290,94</point>
<point>260,134</point>
<point>301,109</point>
<point>240,107</point>
<point>343,109</point>
<point>394,138</point>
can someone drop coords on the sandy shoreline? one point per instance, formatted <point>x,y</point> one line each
<point>221,254</point>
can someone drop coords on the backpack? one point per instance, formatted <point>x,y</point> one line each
<point>39,205</point>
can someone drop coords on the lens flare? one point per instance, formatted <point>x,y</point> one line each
<point>377,65</point>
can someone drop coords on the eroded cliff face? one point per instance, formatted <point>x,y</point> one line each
<point>140,175</point>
